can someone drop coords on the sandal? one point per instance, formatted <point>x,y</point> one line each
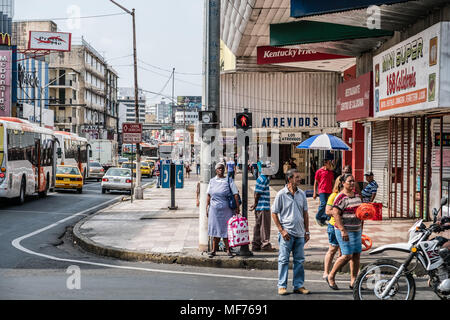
<point>334,287</point>
<point>211,254</point>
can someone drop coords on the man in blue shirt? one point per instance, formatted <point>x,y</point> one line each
<point>230,168</point>
<point>370,191</point>
<point>261,231</point>
<point>290,215</point>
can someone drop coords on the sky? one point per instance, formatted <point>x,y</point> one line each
<point>169,35</point>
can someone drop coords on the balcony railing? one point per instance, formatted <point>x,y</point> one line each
<point>60,82</point>
<point>56,101</point>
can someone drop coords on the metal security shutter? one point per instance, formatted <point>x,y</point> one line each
<point>380,159</point>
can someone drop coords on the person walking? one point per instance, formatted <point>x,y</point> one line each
<point>261,231</point>
<point>158,173</point>
<point>290,215</point>
<point>286,167</point>
<point>231,165</point>
<point>333,243</point>
<point>323,185</point>
<point>188,169</point>
<point>218,210</point>
<point>348,230</point>
<point>370,191</point>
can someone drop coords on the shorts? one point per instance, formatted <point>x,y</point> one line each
<point>353,245</point>
<point>332,236</point>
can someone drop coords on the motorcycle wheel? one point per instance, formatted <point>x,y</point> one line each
<point>373,279</point>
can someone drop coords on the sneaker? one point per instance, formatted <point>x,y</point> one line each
<point>282,291</point>
<point>302,290</point>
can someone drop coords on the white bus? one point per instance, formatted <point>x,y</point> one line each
<point>27,159</point>
<point>73,150</point>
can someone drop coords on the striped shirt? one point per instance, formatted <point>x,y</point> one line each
<point>347,207</point>
<point>262,187</point>
<point>369,190</point>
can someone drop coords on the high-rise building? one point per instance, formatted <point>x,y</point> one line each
<point>127,106</point>
<point>6,16</point>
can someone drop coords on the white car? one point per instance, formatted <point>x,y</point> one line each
<point>117,179</point>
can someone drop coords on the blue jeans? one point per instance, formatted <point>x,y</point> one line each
<point>294,245</point>
<point>321,215</point>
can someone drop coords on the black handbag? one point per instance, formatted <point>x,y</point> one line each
<point>230,198</point>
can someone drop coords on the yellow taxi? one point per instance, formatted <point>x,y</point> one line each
<point>146,166</point>
<point>145,169</point>
<point>69,177</point>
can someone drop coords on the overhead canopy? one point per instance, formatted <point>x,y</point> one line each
<point>245,23</point>
<point>304,8</point>
<point>304,31</point>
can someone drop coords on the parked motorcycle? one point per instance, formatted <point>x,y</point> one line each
<point>387,279</point>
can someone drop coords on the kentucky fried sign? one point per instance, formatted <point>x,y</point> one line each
<point>55,41</point>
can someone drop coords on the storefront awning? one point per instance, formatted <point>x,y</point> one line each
<point>304,8</point>
<point>303,32</point>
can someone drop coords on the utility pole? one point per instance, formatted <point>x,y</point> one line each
<point>138,191</point>
<point>211,108</point>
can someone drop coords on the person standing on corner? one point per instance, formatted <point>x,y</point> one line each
<point>261,231</point>
<point>370,191</point>
<point>323,185</point>
<point>218,210</point>
<point>290,215</point>
<point>348,230</point>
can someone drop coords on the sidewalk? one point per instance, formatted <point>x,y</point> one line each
<point>146,230</point>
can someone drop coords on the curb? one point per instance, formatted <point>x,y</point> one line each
<point>184,259</point>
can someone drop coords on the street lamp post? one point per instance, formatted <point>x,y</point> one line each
<point>138,191</point>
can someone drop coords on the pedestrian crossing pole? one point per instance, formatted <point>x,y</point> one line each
<point>244,129</point>
<point>210,114</point>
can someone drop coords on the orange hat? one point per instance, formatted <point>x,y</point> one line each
<point>366,211</point>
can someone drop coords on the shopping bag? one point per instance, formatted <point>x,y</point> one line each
<point>238,234</point>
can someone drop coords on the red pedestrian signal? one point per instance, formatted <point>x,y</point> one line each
<point>244,121</point>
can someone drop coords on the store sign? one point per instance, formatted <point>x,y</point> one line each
<point>272,55</point>
<point>5,83</point>
<point>290,137</point>
<point>411,76</point>
<point>55,41</point>
<point>5,39</point>
<point>354,99</point>
<point>288,122</point>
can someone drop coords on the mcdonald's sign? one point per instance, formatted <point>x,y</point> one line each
<point>5,39</point>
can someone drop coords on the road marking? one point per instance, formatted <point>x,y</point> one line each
<point>16,243</point>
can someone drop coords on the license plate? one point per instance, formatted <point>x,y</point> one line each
<point>66,179</point>
<point>116,180</point>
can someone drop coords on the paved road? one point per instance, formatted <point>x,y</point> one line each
<point>38,262</point>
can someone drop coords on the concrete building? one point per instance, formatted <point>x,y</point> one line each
<point>163,112</point>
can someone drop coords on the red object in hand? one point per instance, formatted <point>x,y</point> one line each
<point>366,211</point>
<point>366,242</point>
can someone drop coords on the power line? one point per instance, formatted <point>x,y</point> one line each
<point>166,70</point>
<point>74,18</point>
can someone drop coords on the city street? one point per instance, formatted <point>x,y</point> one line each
<point>39,261</point>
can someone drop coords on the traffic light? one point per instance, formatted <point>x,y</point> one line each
<point>244,121</point>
